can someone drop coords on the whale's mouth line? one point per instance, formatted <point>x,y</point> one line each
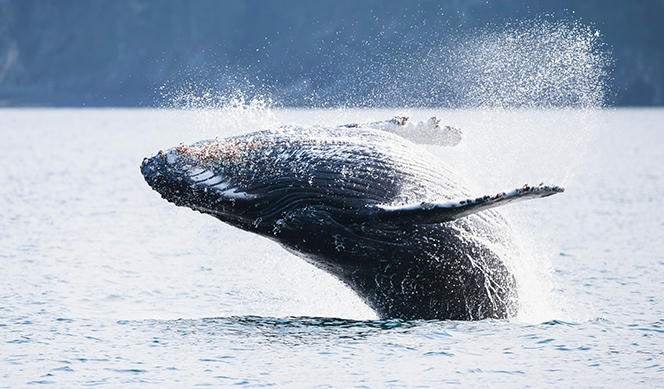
<point>196,191</point>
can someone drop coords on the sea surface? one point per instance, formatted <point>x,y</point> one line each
<point>104,283</point>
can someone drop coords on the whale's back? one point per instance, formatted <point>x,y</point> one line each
<point>356,166</point>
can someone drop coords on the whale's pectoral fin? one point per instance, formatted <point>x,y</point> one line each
<point>387,125</point>
<point>428,132</point>
<point>431,213</point>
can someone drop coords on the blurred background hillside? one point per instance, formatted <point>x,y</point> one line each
<point>303,53</point>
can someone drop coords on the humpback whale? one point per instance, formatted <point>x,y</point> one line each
<point>363,202</point>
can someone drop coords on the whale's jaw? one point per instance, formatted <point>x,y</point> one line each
<point>185,183</point>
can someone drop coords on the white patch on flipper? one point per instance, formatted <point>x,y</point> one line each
<point>413,207</point>
<point>424,132</point>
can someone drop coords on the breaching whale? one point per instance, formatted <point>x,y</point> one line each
<point>362,202</point>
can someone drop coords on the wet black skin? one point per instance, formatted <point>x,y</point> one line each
<point>402,271</point>
<point>405,270</point>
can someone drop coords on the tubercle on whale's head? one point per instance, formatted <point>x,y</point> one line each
<point>212,152</point>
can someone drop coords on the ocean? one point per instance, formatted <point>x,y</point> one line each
<point>105,283</point>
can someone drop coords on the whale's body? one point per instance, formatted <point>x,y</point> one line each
<point>365,205</point>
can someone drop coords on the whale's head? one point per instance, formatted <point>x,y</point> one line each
<point>210,176</point>
<point>264,181</point>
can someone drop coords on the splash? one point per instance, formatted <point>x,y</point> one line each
<point>534,90</point>
<point>531,64</point>
<point>221,113</point>
<point>526,94</point>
